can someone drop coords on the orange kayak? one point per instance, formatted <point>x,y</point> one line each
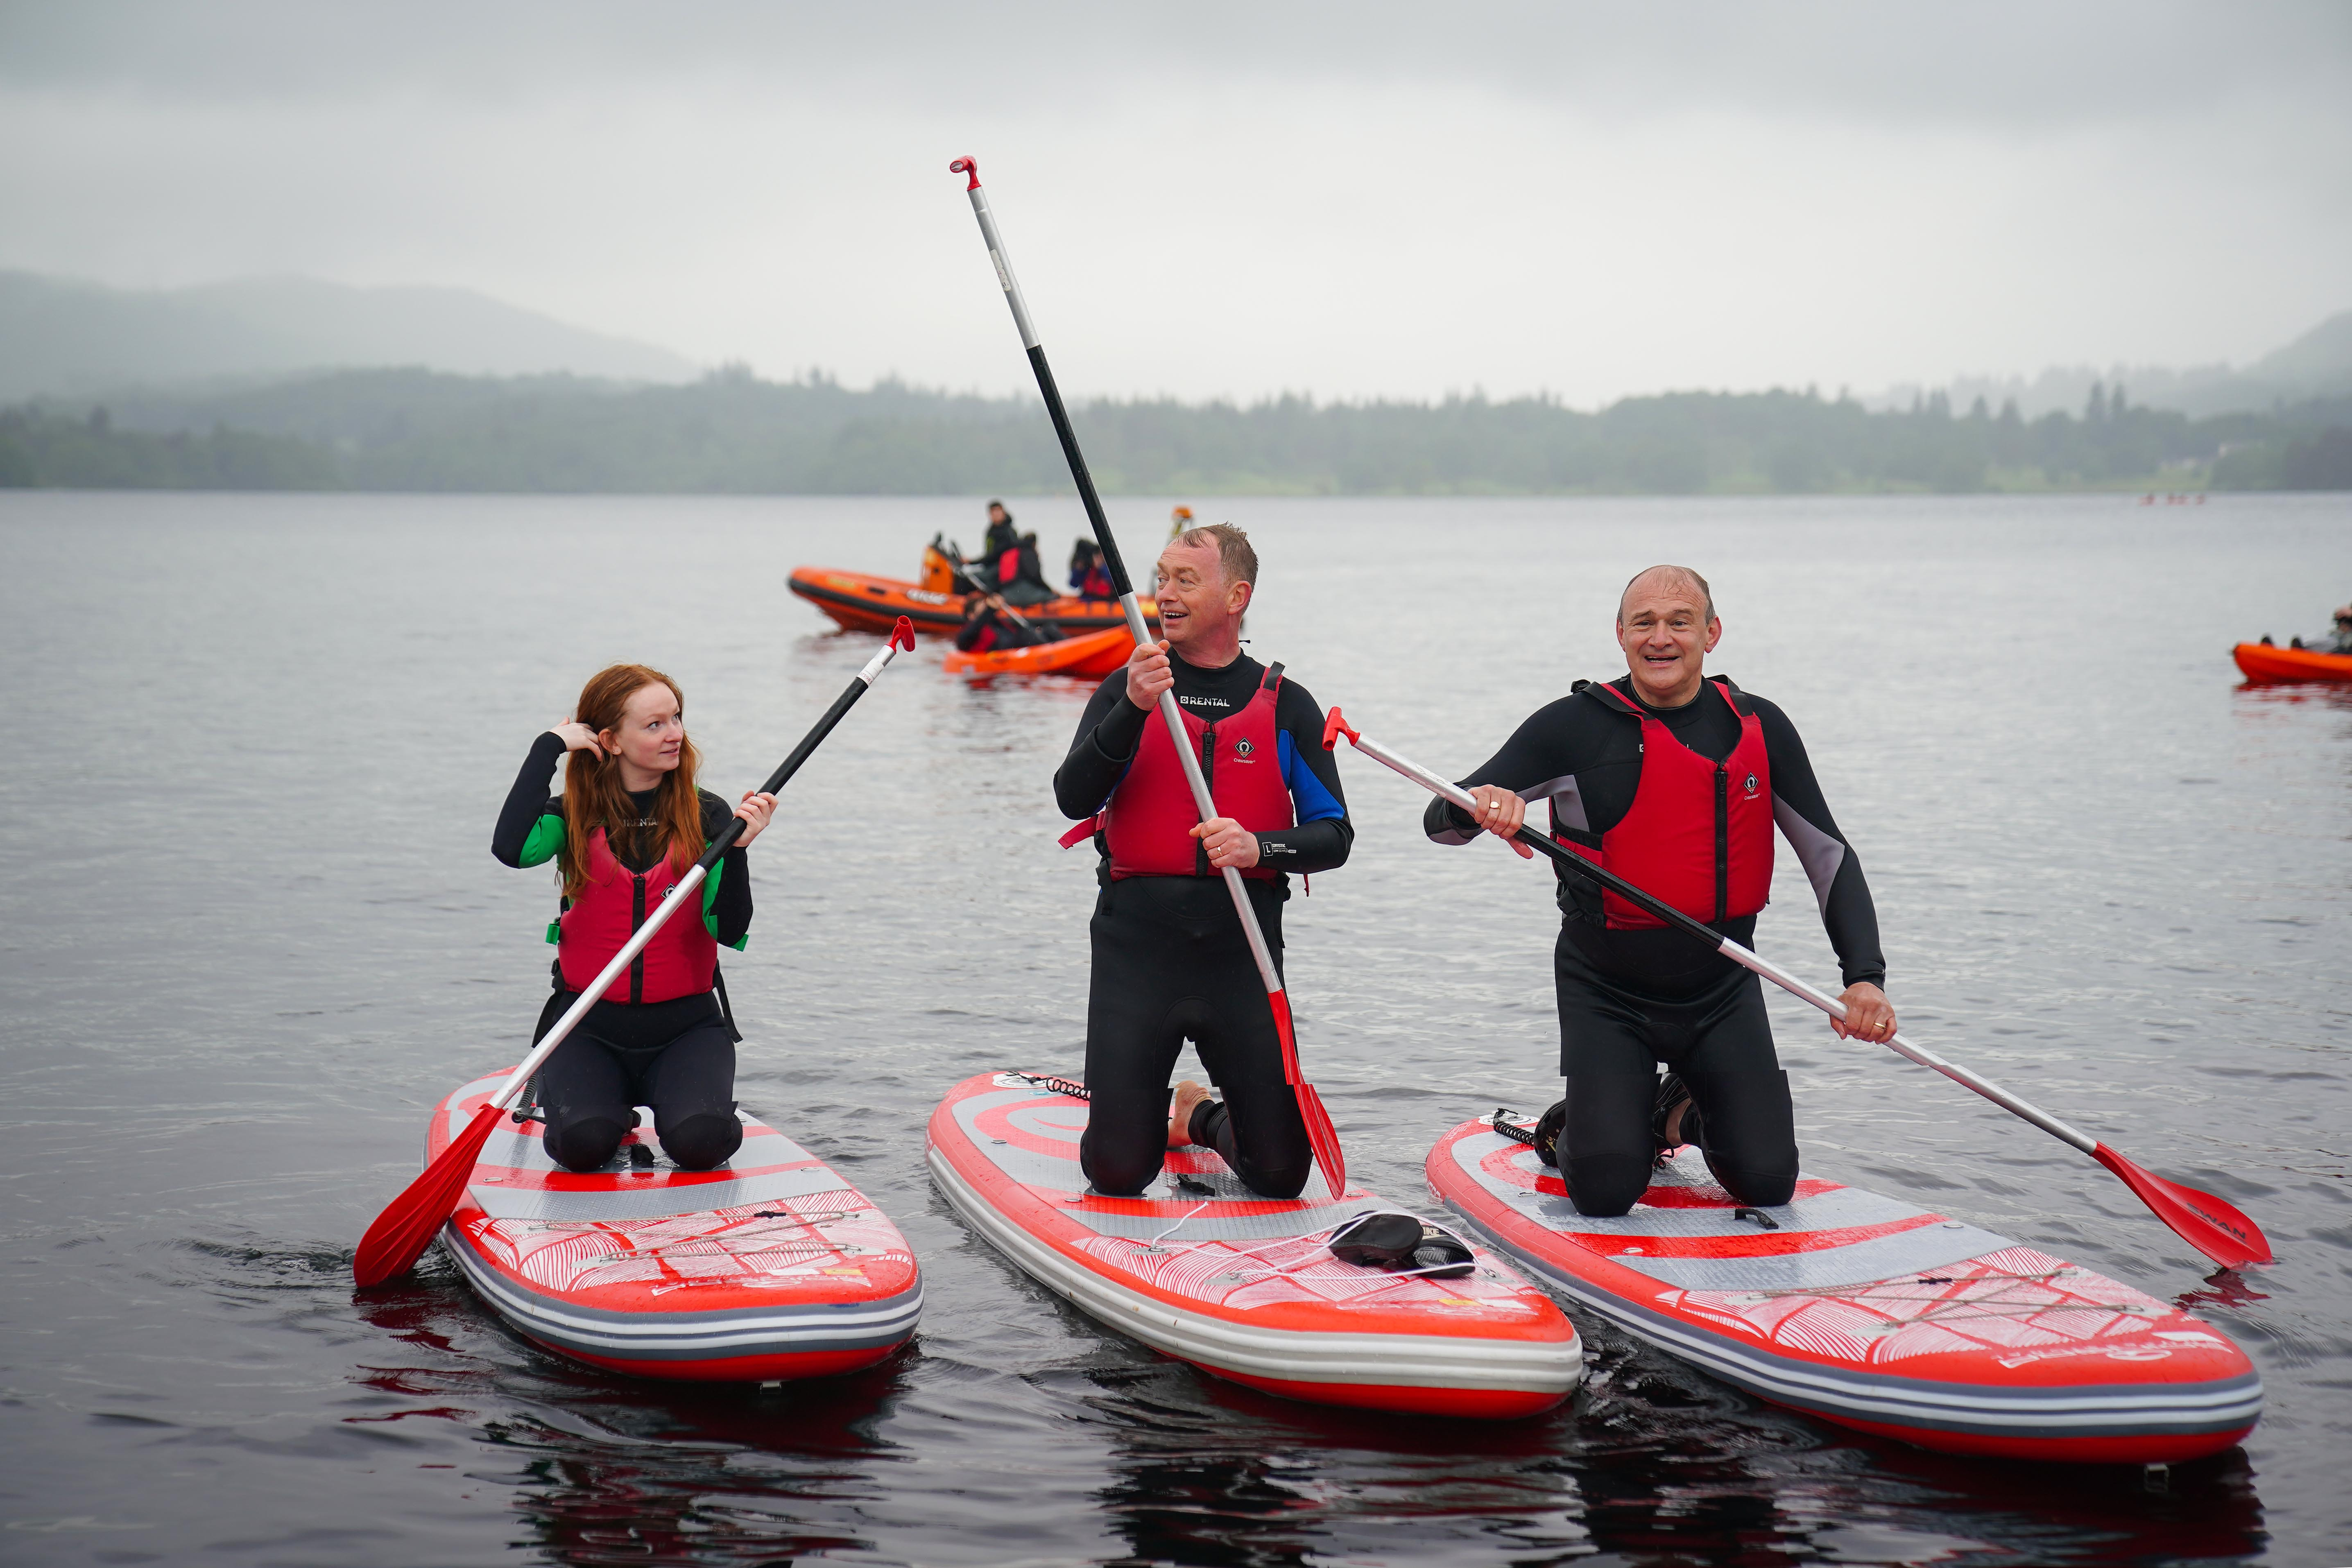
<point>1095,654</point>
<point>867,603</point>
<point>2261,661</point>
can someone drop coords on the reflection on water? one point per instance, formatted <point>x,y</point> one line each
<point>251,936</point>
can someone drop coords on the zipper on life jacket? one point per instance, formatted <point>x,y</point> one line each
<point>1722,840</point>
<point>1201,867</point>
<point>637,923</point>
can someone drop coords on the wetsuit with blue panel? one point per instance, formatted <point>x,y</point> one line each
<point>1170,960</point>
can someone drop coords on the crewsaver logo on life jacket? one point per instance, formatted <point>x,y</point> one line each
<point>1752,787</point>
<point>1242,749</point>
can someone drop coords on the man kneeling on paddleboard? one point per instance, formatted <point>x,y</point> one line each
<point>1171,959</point>
<point>629,823</point>
<point>1675,781</point>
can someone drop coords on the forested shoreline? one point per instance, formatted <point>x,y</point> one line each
<point>732,432</point>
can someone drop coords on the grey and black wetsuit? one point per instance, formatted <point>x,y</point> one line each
<point>1630,999</point>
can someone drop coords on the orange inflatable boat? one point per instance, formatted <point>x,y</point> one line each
<point>2261,661</point>
<point>1093,656</point>
<point>861,603</point>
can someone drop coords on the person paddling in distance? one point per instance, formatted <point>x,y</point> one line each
<point>629,823</point>
<point>1674,781</point>
<point>1171,959</point>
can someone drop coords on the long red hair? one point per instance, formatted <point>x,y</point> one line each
<point>592,796</point>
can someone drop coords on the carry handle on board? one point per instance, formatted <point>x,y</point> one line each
<point>406,1228</point>
<point>2215,1229</point>
<point>1320,1134</point>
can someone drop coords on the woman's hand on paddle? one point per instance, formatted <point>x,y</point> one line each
<point>1229,843</point>
<point>755,811</point>
<point>1869,1016</point>
<point>577,737</point>
<point>1148,675</point>
<point>1501,812</point>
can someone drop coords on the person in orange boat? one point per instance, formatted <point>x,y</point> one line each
<point>1171,961</point>
<point>629,823</point>
<point>1090,575</point>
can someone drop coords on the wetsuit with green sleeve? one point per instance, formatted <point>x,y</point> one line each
<point>676,1056</point>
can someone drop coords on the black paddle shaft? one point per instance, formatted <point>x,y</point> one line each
<point>1096,519</point>
<point>1697,930</point>
<point>859,684</point>
<point>1048,391</point>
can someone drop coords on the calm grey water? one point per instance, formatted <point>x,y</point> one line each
<point>251,932</point>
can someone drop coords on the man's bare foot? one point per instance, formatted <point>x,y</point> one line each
<point>1188,1099</point>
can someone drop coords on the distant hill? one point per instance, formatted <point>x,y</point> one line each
<point>63,338</point>
<point>2316,364</point>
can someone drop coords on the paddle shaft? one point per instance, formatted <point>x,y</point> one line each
<point>1699,932</point>
<point>677,897</point>
<point>1169,714</point>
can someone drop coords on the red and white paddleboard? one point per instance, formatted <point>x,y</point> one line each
<point>1866,1311</point>
<point>1203,1270</point>
<point>770,1267</point>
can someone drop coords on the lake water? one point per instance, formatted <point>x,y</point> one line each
<point>251,934</point>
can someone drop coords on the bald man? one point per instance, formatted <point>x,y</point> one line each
<point>1675,781</point>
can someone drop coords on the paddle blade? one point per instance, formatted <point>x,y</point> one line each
<point>2202,1220</point>
<point>406,1226</point>
<point>1324,1138</point>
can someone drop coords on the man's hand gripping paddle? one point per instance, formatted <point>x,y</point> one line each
<point>2204,1221</point>
<point>1320,1133</point>
<point>406,1228</point>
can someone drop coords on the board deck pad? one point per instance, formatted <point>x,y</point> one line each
<point>1245,1287</point>
<point>771,1266</point>
<point>1869,1312</point>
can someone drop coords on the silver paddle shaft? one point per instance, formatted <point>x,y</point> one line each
<point>1169,714</point>
<point>1731,950</point>
<point>594,992</point>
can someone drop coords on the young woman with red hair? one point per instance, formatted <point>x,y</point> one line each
<point>629,823</point>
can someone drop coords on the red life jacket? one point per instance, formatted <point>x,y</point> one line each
<point>1699,835</point>
<point>1149,819</point>
<point>680,961</point>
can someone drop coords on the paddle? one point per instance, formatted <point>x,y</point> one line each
<point>406,1226</point>
<point>2204,1221</point>
<point>1320,1133</point>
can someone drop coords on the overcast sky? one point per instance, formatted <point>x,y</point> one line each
<point>1210,199</point>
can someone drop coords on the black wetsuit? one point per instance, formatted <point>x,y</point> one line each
<point>1171,962</point>
<point>1632,999</point>
<point>678,1056</point>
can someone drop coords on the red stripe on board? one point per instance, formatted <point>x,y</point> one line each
<point>1763,1243</point>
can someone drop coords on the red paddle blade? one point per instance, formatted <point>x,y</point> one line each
<point>2202,1220</point>
<point>1324,1138</point>
<point>406,1226</point>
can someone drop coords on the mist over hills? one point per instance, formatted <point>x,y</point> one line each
<point>225,387</point>
<point>2316,364</point>
<point>61,337</point>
